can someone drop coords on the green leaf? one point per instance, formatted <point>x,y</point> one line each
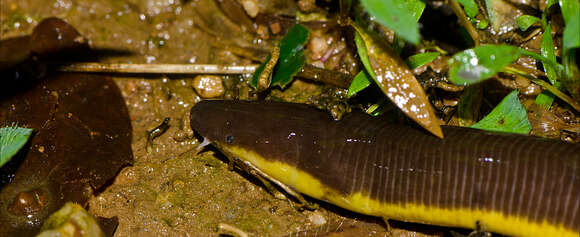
<point>480,63</point>
<point>421,59</point>
<point>571,38</point>
<point>259,70</point>
<point>361,81</point>
<point>525,21</point>
<point>416,7</point>
<point>292,57</point>
<point>482,24</point>
<point>558,67</point>
<point>378,108</point>
<point>395,15</point>
<point>570,10</point>
<point>469,104</point>
<point>362,53</point>
<point>508,116</point>
<point>477,64</point>
<point>547,50</point>
<point>546,99</point>
<point>12,139</point>
<point>470,7</point>
<point>549,4</point>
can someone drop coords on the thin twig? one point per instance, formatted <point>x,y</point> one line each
<point>265,77</point>
<point>456,8</point>
<point>157,68</point>
<point>232,229</point>
<point>330,77</point>
<point>308,72</point>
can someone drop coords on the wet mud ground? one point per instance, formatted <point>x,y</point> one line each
<point>170,190</point>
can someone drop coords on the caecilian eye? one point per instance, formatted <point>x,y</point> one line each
<point>230,139</point>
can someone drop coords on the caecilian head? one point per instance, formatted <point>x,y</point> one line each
<point>222,122</point>
<point>268,129</point>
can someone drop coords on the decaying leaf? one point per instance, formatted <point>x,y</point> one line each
<point>399,84</point>
<point>82,136</point>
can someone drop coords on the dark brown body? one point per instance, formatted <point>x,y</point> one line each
<point>534,179</point>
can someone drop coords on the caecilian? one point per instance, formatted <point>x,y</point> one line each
<point>505,183</point>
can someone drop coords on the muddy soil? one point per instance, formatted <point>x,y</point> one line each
<point>170,190</point>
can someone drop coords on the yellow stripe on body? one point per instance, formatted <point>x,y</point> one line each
<point>491,221</point>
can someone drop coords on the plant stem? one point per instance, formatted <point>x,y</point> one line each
<point>546,86</point>
<point>464,21</point>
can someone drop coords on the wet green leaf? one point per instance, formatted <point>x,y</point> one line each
<point>508,116</point>
<point>546,99</point>
<point>416,7</point>
<point>395,15</point>
<point>358,82</point>
<point>362,53</point>
<point>477,64</point>
<point>421,59</point>
<point>547,50</point>
<point>397,82</point>
<point>570,10</point>
<point>571,38</point>
<point>361,81</point>
<point>292,57</point>
<point>525,21</point>
<point>470,7</point>
<point>378,108</point>
<point>12,139</point>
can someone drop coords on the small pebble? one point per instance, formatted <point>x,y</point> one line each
<point>317,46</point>
<point>316,218</point>
<point>306,5</point>
<point>263,32</point>
<point>178,184</point>
<point>27,203</point>
<point>275,28</point>
<point>208,86</point>
<point>522,82</point>
<point>251,7</point>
